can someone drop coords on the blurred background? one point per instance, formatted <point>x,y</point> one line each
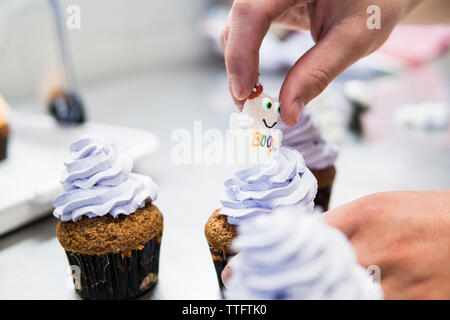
<point>157,66</point>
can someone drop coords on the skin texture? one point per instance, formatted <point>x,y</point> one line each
<point>338,27</point>
<point>406,234</point>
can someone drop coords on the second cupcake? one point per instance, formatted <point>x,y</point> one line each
<point>109,227</point>
<point>319,154</point>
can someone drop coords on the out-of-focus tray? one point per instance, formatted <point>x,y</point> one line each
<point>29,177</point>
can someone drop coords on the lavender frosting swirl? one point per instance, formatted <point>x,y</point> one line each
<point>306,138</point>
<point>98,181</point>
<point>283,180</point>
<point>287,255</point>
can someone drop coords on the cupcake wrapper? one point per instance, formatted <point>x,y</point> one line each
<point>325,180</point>
<point>124,275</point>
<point>220,260</point>
<point>3,143</point>
<point>323,197</point>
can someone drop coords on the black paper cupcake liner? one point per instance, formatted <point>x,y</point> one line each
<point>325,179</point>
<point>220,260</point>
<point>323,197</point>
<point>116,276</point>
<point>3,145</point>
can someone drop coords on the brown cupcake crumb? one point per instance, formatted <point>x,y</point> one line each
<point>219,233</point>
<point>103,235</point>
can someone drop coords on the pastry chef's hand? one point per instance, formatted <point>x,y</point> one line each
<point>339,29</point>
<point>406,234</point>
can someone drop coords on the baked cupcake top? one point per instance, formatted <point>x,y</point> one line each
<point>287,255</point>
<point>306,138</point>
<point>282,180</point>
<point>98,181</point>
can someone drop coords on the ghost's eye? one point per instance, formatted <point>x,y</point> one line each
<point>267,104</point>
<point>277,109</point>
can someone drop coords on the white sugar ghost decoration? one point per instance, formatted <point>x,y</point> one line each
<point>260,111</point>
<point>255,139</point>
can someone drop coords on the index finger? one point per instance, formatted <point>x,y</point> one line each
<point>249,22</point>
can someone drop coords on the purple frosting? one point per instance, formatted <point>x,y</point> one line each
<point>283,180</point>
<point>98,181</point>
<point>294,255</point>
<point>306,138</point>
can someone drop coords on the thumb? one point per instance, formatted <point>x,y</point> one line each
<point>350,217</point>
<point>312,73</point>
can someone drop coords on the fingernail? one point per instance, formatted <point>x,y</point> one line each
<point>226,274</point>
<point>236,87</point>
<point>297,107</point>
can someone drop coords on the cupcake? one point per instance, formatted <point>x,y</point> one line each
<point>109,227</point>
<point>292,256</point>
<point>4,128</point>
<point>319,154</point>
<point>283,180</point>
<point>278,178</point>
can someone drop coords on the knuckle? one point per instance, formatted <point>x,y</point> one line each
<point>370,207</point>
<point>237,57</point>
<point>224,32</point>
<point>360,43</point>
<point>232,60</point>
<point>224,35</point>
<point>320,80</point>
<point>241,8</point>
<point>230,56</point>
<point>253,12</point>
